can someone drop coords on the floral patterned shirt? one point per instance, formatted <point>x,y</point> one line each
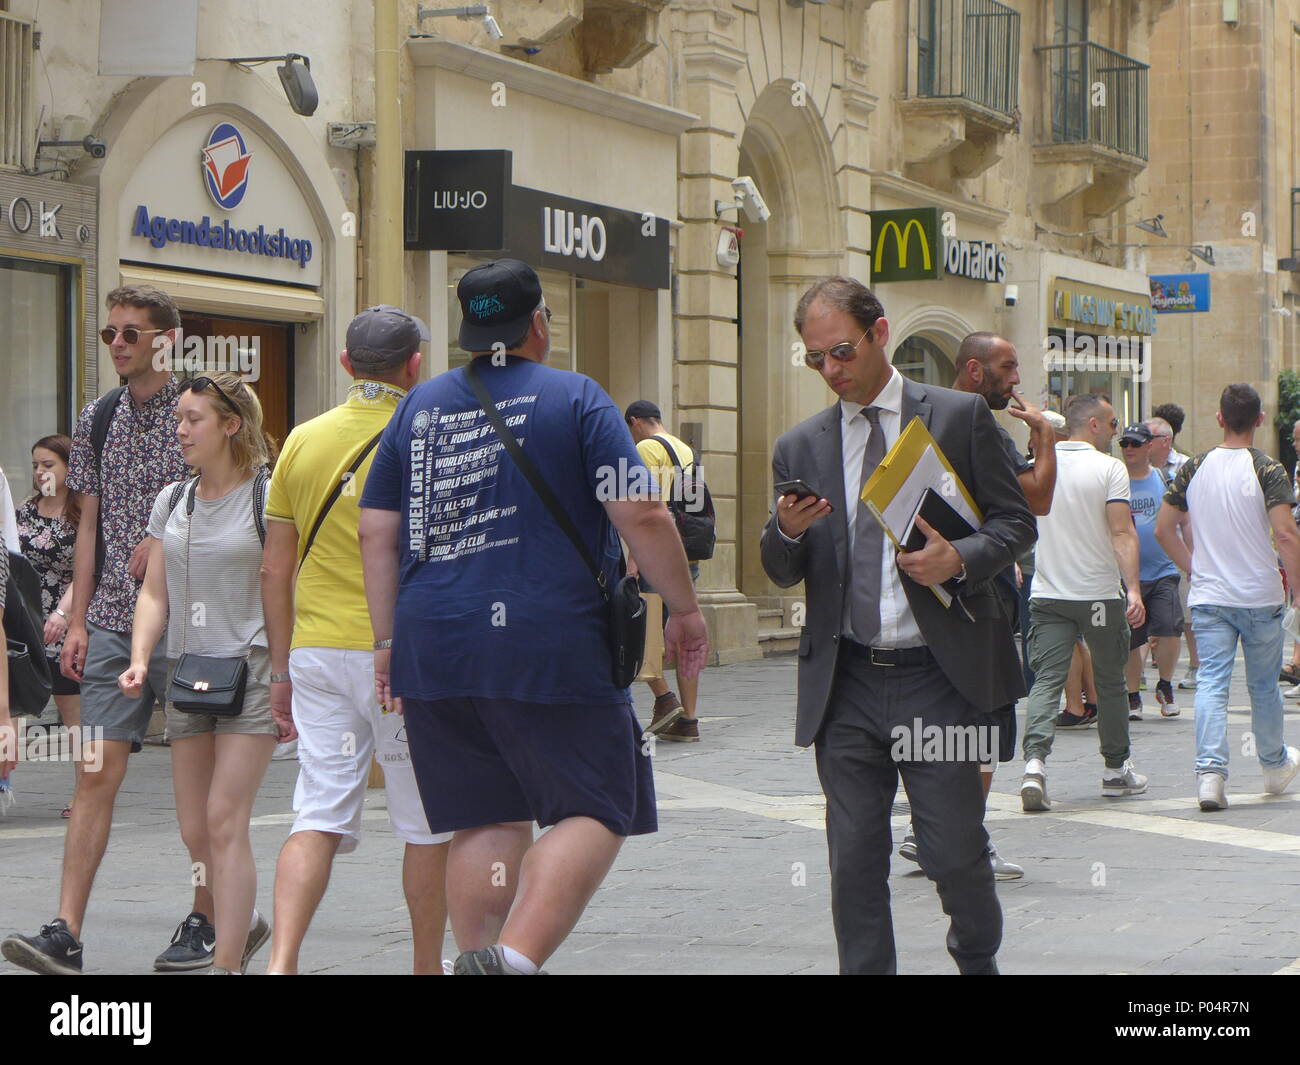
<point>48,544</point>
<point>141,457</point>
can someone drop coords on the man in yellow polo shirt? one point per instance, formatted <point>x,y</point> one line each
<point>327,673</point>
<point>673,719</point>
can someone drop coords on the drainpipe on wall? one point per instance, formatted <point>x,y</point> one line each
<point>385,229</point>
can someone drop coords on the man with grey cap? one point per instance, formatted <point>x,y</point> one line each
<point>319,632</point>
<point>493,630</point>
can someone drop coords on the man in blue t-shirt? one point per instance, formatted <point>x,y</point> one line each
<point>1159,576</point>
<point>492,631</point>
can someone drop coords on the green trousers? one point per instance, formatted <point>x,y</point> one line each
<point>1054,626</point>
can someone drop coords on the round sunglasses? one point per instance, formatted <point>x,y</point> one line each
<point>130,335</point>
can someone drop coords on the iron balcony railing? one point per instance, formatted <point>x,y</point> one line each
<point>1095,96</point>
<point>969,49</point>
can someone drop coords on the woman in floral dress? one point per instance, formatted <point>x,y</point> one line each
<point>47,529</point>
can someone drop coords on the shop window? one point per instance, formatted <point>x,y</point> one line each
<point>557,288</point>
<point>923,361</point>
<point>36,307</point>
<point>1078,376</point>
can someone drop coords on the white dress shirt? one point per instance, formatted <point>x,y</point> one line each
<point>898,627</point>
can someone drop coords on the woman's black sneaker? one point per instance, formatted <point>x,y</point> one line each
<point>192,946</point>
<point>54,952</point>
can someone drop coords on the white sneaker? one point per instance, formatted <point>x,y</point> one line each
<point>1033,787</point>
<point>1003,869</point>
<point>1276,780</point>
<point>1292,692</point>
<point>286,752</point>
<point>1123,781</point>
<point>1188,683</point>
<point>1210,791</point>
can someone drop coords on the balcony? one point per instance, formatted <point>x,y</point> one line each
<point>1093,124</point>
<point>965,85</point>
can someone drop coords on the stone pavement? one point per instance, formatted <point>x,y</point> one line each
<point>735,881</point>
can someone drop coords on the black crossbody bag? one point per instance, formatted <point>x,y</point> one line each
<point>207,684</point>
<point>625,609</point>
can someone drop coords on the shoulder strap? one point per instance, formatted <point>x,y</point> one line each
<point>529,469</point>
<point>178,490</point>
<point>672,455</point>
<point>105,407</point>
<point>338,490</point>
<point>104,410</point>
<point>1165,479</point>
<point>259,504</point>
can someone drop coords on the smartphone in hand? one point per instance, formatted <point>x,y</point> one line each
<point>797,487</point>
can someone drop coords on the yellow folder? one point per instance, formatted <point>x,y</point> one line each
<point>894,490</point>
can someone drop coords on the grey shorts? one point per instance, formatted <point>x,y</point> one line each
<point>1164,611</point>
<point>254,720</point>
<point>105,712</point>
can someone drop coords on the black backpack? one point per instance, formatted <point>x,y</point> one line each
<point>259,499</point>
<point>29,672</point>
<point>691,507</point>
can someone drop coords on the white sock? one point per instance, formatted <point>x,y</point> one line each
<point>252,921</point>
<point>1036,765</point>
<point>517,961</point>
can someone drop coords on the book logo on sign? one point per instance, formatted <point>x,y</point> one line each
<point>225,159</point>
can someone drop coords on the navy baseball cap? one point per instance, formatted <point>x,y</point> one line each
<point>387,331</point>
<point>642,408</point>
<point>497,301</point>
<point>1138,433</point>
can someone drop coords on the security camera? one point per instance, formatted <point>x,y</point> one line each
<point>95,148</point>
<point>493,30</point>
<point>1011,295</point>
<point>748,197</point>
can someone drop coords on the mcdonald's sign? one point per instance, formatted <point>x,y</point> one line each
<point>905,245</point>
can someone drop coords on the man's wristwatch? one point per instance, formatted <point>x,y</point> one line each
<point>961,576</point>
<point>279,678</point>
<point>383,645</point>
<point>61,613</point>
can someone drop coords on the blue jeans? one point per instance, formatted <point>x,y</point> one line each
<point>1217,630</point>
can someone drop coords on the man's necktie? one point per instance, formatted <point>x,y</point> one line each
<point>868,538</point>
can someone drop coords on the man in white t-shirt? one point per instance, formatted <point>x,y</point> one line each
<point>1236,496</point>
<point>1084,545</point>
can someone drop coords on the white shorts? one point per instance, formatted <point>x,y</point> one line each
<point>340,726</point>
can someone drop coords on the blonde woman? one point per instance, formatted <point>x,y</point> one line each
<point>205,555</point>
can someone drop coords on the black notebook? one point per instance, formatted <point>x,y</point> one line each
<point>946,521</point>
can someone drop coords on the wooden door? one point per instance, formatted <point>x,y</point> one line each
<point>273,342</point>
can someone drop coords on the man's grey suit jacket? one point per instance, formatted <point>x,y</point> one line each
<point>972,640</point>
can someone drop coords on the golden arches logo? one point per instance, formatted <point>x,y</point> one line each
<point>901,238</point>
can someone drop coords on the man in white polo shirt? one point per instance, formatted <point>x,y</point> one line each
<point>1084,545</point>
<point>1236,497</point>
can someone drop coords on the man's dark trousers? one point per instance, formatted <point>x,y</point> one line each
<point>860,778</point>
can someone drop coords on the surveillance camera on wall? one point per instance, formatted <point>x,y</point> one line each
<point>493,30</point>
<point>1011,295</point>
<point>751,200</point>
<point>95,148</point>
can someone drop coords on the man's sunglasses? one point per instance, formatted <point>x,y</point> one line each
<point>200,384</point>
<point>1134,443</point>
<point>845,352</point>
<point>130,335</point>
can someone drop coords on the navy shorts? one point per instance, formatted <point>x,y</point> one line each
<point>488,761</point>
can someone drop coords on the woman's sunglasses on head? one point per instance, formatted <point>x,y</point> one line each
<point>200,384</point>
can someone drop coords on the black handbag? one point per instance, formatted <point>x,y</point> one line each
<point>29,670</point>
<point>205,684</point>
<point>625,609</point>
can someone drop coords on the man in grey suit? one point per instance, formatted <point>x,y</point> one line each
<point>880,656</point>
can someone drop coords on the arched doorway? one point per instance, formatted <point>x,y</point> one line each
<point>786,151</point>
<point>924,361</point>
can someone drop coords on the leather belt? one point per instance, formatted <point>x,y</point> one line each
<point>890,656</point>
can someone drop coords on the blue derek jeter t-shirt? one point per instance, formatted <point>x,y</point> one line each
<point>493,599</point>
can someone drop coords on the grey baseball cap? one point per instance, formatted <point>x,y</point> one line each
<point>387,331</point>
